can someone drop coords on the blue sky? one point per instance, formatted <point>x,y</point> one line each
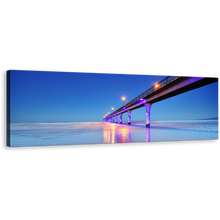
<point>39,96</point>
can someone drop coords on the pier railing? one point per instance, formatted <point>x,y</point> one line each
<point>160,84</point>
<point>153,88</point>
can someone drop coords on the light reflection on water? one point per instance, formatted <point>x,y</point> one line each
<point>75,133</point>
<point>113,133</point>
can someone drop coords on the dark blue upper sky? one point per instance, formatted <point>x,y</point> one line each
<point>38,96</point>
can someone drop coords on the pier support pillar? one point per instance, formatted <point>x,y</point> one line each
<point>120,118</point>
<point>148,107</point>
<point>129,117</point>
<point>116,119</point>
<point>113,119</point>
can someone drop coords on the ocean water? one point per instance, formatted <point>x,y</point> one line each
<point>76,133</point>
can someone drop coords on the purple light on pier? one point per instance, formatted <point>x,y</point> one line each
<point>142,101</point>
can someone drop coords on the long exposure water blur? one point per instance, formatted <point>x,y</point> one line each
<point>77,133</point>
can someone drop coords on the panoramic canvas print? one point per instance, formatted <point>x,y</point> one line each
<point>73,108</point>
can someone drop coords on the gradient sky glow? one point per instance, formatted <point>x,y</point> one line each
<point>39,96</point>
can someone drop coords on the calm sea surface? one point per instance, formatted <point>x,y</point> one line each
<point>71,133</point>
